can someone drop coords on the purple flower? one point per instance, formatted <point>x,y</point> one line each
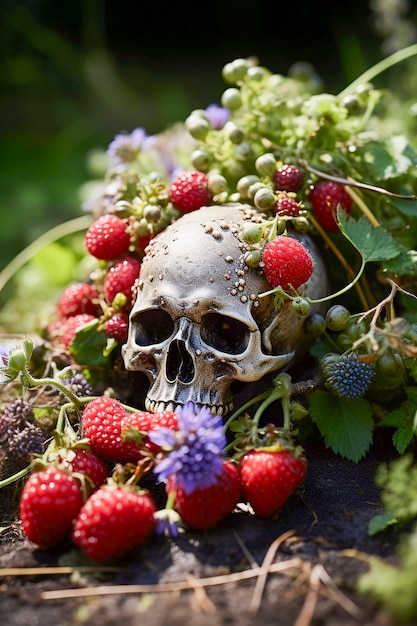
<point>126,146</point>
<point>168,522</point>
<point>217,115</point>
<point>6,350</point>
<point>194,452</point>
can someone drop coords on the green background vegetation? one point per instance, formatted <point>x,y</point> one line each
<point>77,72</point>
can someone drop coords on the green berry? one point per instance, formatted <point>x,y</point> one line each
<point>254,188</point>
<point>245,183</point>
<point>231,99</point>
<point>234,71</point>
<point>201,160</point>
<point>234,132</point>
<point>197,126</point>
<point>301,224</point>
<point>152,213</point>
<point>243,152</point>
<point>217,183</point>
<point>300,306</point>
<point>266,164</point>
<point>256,73</point>
<point>251,233</point>
<point>315,324</point>
<point>253,258</point>
<point>391,364</point>
<point>264,199</point>
<point>337,317</point>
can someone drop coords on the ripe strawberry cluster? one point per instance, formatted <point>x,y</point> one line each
<point>89,491</point>
<point>115,243</point>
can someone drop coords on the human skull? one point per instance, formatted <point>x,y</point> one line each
<point>198,323</point>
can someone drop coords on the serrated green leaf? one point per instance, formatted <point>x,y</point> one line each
<point>405,263</point>
<point>373,243</point>
<point>88,346</point>
<point>381,522</point>
<point>388,158</point>
<point>345,423</point>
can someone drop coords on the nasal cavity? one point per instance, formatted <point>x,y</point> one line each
<point>179,364</point>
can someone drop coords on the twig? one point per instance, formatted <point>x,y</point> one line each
<point>265,569</point>
<point>201,600</point>
<point>245,551</point>
<point>211,581</point>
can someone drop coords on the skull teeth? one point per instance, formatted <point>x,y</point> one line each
<point>156,407</point>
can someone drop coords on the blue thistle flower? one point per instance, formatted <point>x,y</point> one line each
<point>5,351</point>
<point>217,115</point>
<point>193,453</point>
<point>126,146</point>
<point>349,377</point>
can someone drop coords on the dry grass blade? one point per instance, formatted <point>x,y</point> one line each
<point>211,581</point>
<point>265,569</point>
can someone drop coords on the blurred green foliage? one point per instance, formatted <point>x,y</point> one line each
<point>77,72</point>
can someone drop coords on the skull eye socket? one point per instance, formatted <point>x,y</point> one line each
<point>152,326</point>
<point>224,333</point>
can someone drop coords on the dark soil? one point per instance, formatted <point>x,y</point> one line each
<point>328,519</point>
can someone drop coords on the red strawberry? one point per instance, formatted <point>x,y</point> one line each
<point>107,238</point>
<point>189,191</point>
<point>51,499</point>
<point>206,507</point>
<point>76,299</point>
<point>144,422</point>
<point>288,178</point>
<point>101,426</point>
<point>325,197</point>
<point>68,329</point>
<point>117,327</point>
<point>287,263</point>
<point>88,464</point>
<point>269,477</point>
<point>114,520</point>
<point>287,206</point>
<point>121,278</point>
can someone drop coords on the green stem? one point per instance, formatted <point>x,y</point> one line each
<point>28,380</point>
<point>17,476</point>
<point>324,298</point>
<point>244,407</point>
<point>341,291</point>
<point>62,230</point>
<point>378,68</point>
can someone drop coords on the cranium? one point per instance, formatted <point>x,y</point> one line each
<point>198,324</point>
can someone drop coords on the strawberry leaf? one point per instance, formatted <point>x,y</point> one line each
<point>373,243</point>
<point>345,423</point>
<point>387,159</point>
<point>88,346</point>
